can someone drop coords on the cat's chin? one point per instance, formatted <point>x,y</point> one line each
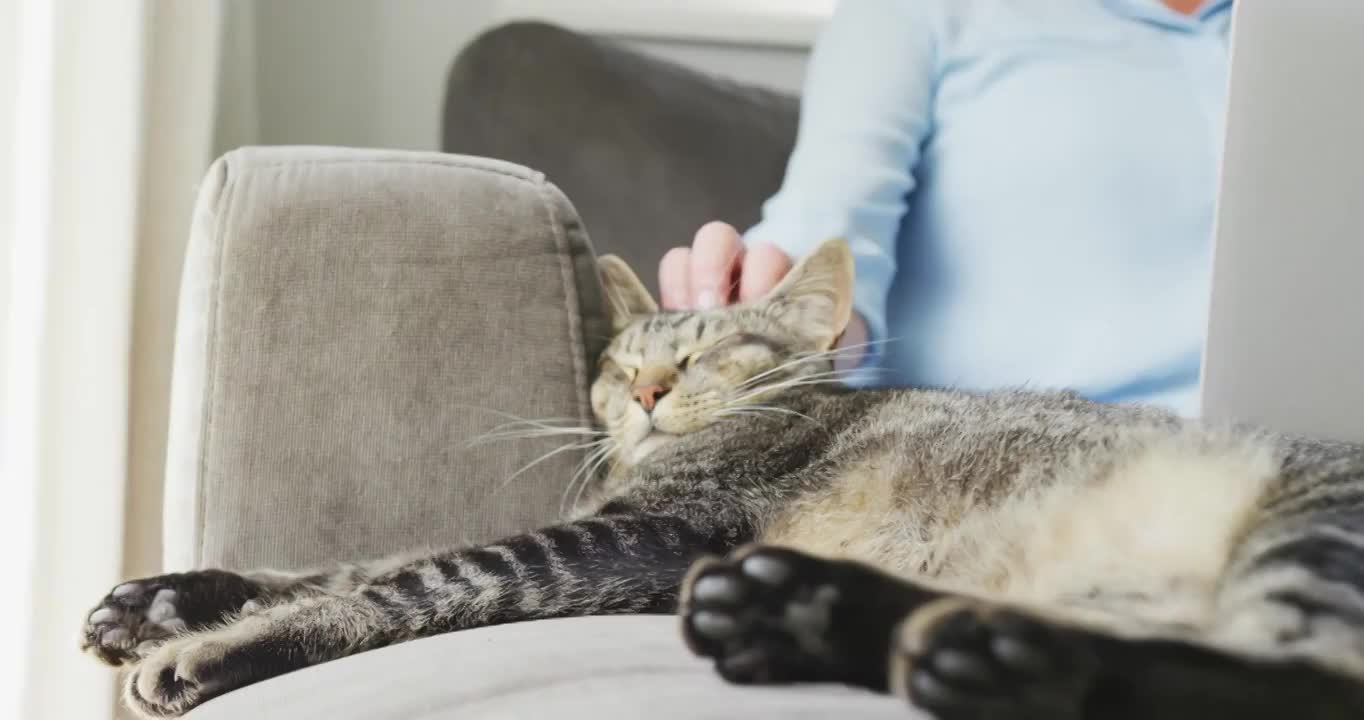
<point>649,444</point>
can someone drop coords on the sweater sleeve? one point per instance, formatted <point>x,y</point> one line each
<point>865,111</point>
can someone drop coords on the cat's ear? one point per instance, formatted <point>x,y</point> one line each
<point>626,296</point>
<point>814,300</point>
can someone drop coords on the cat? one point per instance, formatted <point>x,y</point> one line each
<point>1004,555</point>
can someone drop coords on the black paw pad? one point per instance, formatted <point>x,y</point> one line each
<point>771,615</point>
<point>137,616</point>
<point>960,659</point>
<point>131,617</point>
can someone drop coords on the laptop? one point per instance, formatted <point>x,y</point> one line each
<point>1285,341</point>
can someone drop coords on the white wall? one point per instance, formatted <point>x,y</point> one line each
<point>181,62</point>
<point>11,664</point>
<point>342,72</point>
<point>9,20</point>
<point>79,109</point>
<point>371,73</point>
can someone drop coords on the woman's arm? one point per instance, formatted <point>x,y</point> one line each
<point>866,109</point>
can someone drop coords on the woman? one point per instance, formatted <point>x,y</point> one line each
<point>1028,188</point>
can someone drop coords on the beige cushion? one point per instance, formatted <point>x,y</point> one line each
<point>349,321</point>
<point>595,668</point>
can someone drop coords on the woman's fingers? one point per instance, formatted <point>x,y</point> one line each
<point>674,279</point>
<point>764,266</point>
<point>717,271</point>
<point>716,255</point>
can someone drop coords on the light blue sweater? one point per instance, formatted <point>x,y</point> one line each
<point>1027,185</point>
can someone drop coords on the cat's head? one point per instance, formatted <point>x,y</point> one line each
<point>668,374</point>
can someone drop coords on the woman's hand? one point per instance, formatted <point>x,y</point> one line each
<point>716,271</point>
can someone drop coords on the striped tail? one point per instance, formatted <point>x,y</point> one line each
<point>1295,588</point>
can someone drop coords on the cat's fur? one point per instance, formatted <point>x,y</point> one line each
<point>1001,555</point>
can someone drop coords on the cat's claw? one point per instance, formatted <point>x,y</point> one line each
<point>137,616</point>
<point>772,615</point>
<point>962,659</point>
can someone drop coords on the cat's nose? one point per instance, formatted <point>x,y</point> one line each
<point>649,395</point>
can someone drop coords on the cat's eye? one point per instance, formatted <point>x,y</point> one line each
<point>628,365</point>
<point>626,370</point>
<point>689,360</point>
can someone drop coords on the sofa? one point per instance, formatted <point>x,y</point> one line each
<point>351,322</point>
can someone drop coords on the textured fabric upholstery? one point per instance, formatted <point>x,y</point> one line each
<point>596,668</point>
<point>649,151</point>
<point>350,321</point>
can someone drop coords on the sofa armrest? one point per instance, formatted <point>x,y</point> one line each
<point>349,320</point>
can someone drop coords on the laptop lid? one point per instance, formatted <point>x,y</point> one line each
<point>1285,342</point>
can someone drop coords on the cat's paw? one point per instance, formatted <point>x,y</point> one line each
<point>771,615</point>
<point>187,671</point>
<point>137,616</point>
<point>962,659</point>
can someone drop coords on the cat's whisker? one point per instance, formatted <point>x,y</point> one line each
<point>759,410</point>
<point>825,374</point>
<point>572,481</point>
<point>584,467</point>
<point>602,456</point>
<point>831,377</point>
<point>822,373</point>
<point>518,428</point>
<point>563,424</point>
<point>534,433</point>
<point>509,431</point>
<point>828,376</point>
<point>551,430</point>
<point>513,418</point>
<point>833,353</point>
<point>547,456</point>
<point>568,487</point>
<point>772,371</point>
<point>596,467</point>
<point>587,468</point>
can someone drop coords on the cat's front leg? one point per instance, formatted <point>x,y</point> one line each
<point>602,565</point>
<point>192,668</point>
<point>963,659</point>
<point>138,615</point>
<point>773,615</point>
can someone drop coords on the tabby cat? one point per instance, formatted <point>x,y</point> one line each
<point>1001,555</point>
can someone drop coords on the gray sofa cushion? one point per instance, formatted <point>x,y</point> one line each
<point>349,322</point>
<point>647,150</point>
<point>595,668</point>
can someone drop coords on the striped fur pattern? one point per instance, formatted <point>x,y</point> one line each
<point>1123,525</point>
